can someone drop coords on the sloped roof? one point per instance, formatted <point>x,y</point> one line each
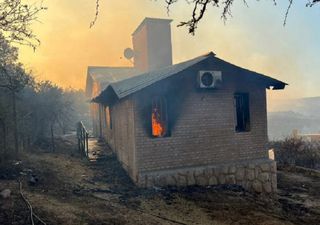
<point>133,84</point>
<point>271,83</point>
<point>106,75</point>
<point>128,86</point>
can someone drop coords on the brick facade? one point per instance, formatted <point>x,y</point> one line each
<point>120,135</point>
<point>202,134</point>
<point>199,143</point>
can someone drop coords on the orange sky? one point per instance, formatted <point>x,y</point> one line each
<point>68,46</point>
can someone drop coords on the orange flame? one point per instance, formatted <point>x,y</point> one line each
<point>158,128</point>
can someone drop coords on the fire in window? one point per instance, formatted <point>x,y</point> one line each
<point>242,112</point>
<point>159,117</point>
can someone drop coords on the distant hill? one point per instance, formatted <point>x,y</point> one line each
<point>302,114</point>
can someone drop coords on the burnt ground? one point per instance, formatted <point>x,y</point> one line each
<point>71,190</point>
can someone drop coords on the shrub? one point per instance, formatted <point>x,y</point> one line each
<point>297,151</point>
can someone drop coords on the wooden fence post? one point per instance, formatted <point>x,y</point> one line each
<point>83,136</point>
<point>87,144</point>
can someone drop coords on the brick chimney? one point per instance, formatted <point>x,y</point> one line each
<point>152,44</point>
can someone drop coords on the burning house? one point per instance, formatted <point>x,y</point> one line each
<point>199,122</point>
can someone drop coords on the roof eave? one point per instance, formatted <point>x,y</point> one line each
<point>106,97</point>
<point>279,86</point>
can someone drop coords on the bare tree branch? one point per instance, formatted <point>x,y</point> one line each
<point>312,3</point>
<point>287,12</point>
<point>16,18</point>
<point>201,6</point>
<point>93,22</point>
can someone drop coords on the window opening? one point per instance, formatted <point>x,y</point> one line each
<point>159,117</point>
<point>242,112</point>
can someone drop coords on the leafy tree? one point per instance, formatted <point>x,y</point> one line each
<point>13,78</point>
<point>29,111</point>
<point>53,109</point>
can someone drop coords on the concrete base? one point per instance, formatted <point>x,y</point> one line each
<point>256,175</point>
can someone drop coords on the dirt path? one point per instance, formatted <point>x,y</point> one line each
<point>74,191</point>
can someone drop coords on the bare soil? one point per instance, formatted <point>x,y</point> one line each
<point>71,190</point>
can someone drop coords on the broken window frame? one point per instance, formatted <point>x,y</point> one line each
<point>160,103</point>
<point>242,112</point>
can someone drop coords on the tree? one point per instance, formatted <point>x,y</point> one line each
<point>3,128</point>
<point>8,54</point>
<point>15,20</point>
<point>14,79</point>
<point>28,110</point>
<point>200,7</point>
<point>53,109</point>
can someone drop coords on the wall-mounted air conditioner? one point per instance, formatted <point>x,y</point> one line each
<point>209,79</point>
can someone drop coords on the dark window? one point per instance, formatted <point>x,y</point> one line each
<point>159,117</point>
<point>110,117</point>
<point>242,112</point>
<point>107,117</point>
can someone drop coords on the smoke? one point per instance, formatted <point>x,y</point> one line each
<point>254,38</point>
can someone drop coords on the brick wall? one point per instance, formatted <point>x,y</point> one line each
<point>202,133</point>
<point>204,130</point>
<point>121,136</point>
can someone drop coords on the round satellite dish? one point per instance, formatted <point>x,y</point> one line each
<point>128,53</point>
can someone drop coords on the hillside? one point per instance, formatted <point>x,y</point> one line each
<point>302,114</point>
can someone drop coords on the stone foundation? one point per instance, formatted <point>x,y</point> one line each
<point>258,176</point>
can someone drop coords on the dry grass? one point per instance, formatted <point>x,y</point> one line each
<point>73,191</point>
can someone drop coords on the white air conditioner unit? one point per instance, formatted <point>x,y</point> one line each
<point>209,79</point>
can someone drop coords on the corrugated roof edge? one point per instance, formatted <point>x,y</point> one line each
<point>155,76</point>
<point>93,73</point>
<point>169,71</point>
<point>90,68</point>
<point>110,67</point>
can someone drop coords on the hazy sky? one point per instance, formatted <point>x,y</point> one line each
<point>253,38</point>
